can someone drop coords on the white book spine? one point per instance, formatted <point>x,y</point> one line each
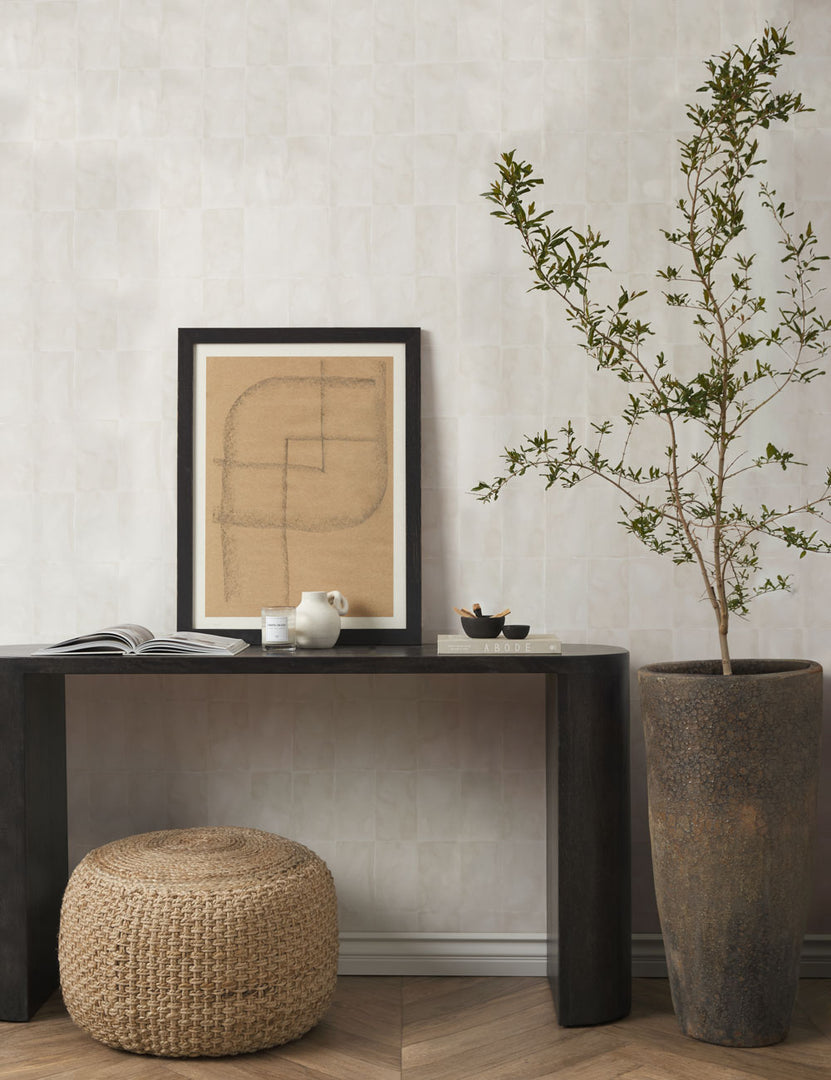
<point>534,645</point>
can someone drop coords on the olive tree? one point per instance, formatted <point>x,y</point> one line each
<point>752,348</point>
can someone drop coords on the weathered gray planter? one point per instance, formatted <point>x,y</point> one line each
<point>732,767</point>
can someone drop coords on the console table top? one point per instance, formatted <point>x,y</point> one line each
<point>342,660</point>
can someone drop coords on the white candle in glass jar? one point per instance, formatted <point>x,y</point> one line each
<point>278,626</point>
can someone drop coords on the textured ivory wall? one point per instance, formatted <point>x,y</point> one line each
<point>318,162</point>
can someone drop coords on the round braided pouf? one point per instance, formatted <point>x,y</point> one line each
<point>192,942</point>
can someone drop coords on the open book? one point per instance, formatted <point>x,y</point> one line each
<point>131,638</point>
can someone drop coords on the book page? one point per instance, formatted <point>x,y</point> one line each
<point>187,641</point>
<point>124,638</point>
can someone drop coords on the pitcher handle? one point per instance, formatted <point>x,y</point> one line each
<point>338,601</point>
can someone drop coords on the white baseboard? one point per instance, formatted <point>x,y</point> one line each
<point>511,954</point>
<point>649,961</point>
<point>442,954</point>
<point>816,957</point>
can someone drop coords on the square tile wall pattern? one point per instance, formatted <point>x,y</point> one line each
<point>168,163</point>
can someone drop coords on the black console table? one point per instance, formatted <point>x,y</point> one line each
<point>587,762</point>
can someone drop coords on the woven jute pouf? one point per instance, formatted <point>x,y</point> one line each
<point>198,942</point>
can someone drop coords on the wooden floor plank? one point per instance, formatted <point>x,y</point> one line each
<point>611,1065</point>
<point>744,1065</point>
<point>460,1011</point>
<point>466,1027</point>
<point>545,1059</point>
<point>368,1006</point>
<point>502,1053</point>
<point>455,1028</point>
<point>431,1046</point>
<point>425,996</point>
<point>265,1065</point>
<point>814,1003</point>
<point>804,1055</point>
<point>345,1057</point>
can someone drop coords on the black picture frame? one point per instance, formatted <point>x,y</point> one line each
<point>404,346</point>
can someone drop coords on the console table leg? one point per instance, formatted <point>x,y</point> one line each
<point>33,856</point>
<point>589,874</point>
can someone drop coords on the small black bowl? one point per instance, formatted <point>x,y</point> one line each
<point>484,626</point>
<point>516,630</point>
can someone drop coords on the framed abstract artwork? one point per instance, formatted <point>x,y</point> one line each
<point>299,469</point>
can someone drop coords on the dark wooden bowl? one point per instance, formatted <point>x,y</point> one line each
<point>484,626</point>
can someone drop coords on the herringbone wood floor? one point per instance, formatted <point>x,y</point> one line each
<point>447,1029</point>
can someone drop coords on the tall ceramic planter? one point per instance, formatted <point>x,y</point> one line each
<point>732,769</point>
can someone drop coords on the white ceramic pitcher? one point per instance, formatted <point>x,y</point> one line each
<point>318,619</point>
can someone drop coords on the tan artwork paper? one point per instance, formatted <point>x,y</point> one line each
<point>299,482</point>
